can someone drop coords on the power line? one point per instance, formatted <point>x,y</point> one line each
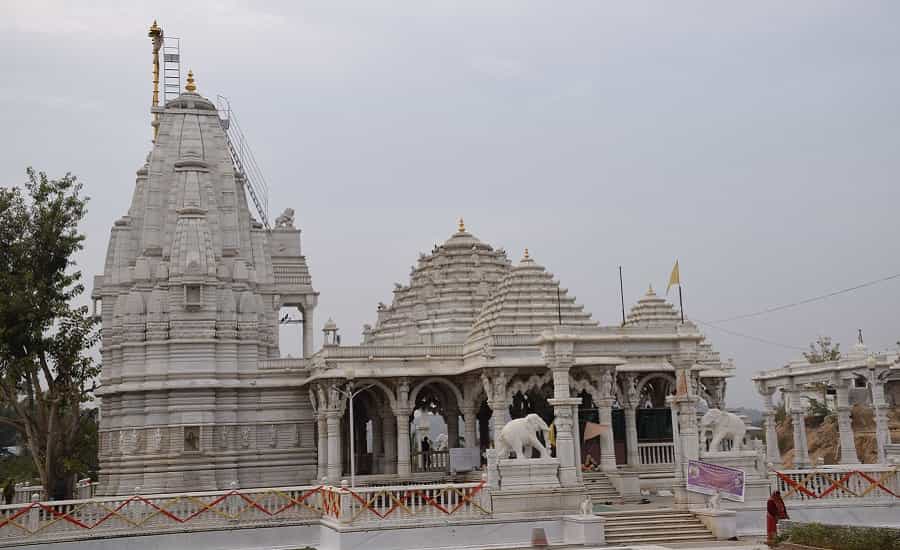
<point>806,301</point>
<point>749,337</point>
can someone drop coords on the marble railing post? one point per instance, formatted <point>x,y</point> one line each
<point>470,429</point>
<point>773,453</point>
<point>389,428</point>
<point>631,437</point>
<point>333,421</point>
<point>845,425</point>
<point>452,420</point>
<point>403,442</point>
<point>322,428</point>
<point>798,419</point>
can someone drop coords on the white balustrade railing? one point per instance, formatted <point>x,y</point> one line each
<point>840,482</point>
<point>144,515</point>
<point>652,454</point>
<point>430,461</point>
<point>71,519</point>
<point>406,503</point>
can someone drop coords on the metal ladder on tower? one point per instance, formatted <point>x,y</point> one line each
<point>171,51</point>
<point>253,179</point>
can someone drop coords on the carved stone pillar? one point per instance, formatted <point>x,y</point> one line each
<point>564,411</point>
<point>389,429</point>
<point>308,331</point>
<point>333,422</point>
<point>403,442</point>
<point>773,453</point>
<point>845,426</point>
<point>452,420</point>
<point>322,428</point>
<point>631,437</point>
<point>377,445</point>
<point>607,444</point>
<point>495,390</point>
<point>798,419</point>
<point>470,428</point>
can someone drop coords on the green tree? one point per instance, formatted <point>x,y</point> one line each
<point>823,350</point>
<point>45,373</point>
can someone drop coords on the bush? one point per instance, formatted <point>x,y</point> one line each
<point>839,537</point>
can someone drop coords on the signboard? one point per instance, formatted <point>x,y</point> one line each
<point>465,459</point>
<point>709,479</point>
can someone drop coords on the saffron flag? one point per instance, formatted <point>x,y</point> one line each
<point>674,278</point>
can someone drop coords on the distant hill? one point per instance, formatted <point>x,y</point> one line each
<point>824,441</point>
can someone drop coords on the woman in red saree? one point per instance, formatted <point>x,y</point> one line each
<point>775,510</point>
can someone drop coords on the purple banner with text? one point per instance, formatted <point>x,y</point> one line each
<point>709,479</point>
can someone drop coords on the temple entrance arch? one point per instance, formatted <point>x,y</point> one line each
<point>654,418</point>
<point>436,405</point>
<point>374,424</point>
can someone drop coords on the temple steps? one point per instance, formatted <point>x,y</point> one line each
<point>600,488</point>
<point>654,526</point>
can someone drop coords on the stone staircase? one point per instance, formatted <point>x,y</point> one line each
<point>600,488</point>
<point>653,526</point>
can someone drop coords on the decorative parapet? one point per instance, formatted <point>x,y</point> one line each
<point>392,352</point>
<point>284,363</point>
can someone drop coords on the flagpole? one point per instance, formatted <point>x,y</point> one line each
<point>680,303</point>
<point>622,295</point>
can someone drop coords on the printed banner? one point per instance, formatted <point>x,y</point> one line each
<point>709,479</point>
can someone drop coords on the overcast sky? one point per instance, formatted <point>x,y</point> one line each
<point>757,142</point>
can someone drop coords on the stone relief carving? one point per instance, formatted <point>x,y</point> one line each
<point>191,439</point>
<point>154,442</point>
<point>246,436</point>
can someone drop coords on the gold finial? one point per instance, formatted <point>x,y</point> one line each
<point>191,87</point>
<point>462,226</point>
<point>154,29</point>
<point>650,290</point>
<point>526,256</point>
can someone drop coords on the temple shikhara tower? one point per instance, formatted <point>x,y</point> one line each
<point>191,292</point>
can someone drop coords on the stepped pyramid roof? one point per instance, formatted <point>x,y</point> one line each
<point>651,310</point>
<point>446,290</point>
<point>527,301</point>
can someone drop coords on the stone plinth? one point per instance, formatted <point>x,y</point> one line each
<point>524,473</point>
<point>751,462</point>
<point>722,523</point>
<point>584,530</point>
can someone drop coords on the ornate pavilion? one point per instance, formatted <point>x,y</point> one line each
<point>478,341</point>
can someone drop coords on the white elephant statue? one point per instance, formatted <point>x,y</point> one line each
<point>518,436</point>
<point>724,425</point>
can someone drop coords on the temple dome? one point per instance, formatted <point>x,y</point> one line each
<point>527,301</point>
<point>654,311</point>
<point>447,288</point>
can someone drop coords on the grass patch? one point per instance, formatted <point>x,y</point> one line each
<point>838,537</point>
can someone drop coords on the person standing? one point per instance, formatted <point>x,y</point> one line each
<point>775,510</point>
<point>426,452</point>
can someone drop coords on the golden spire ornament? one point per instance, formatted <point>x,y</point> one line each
<point>190,86</point>
<point>462,226</point>
<point>526,256</point>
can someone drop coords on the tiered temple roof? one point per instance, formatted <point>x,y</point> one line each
<point>446,291</point>
<point>651,310</point>
<point>527,301</point>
